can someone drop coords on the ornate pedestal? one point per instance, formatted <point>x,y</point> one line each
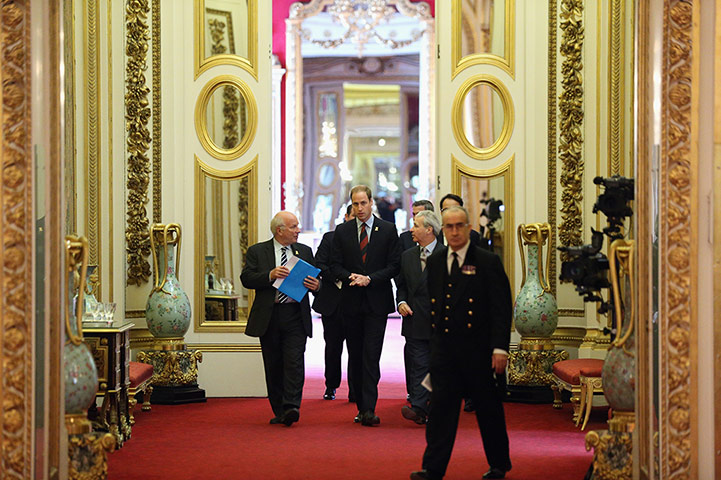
<point>613,448</point>
<point>530,374</point>
<point>175,377</point>
<point>88,455</point>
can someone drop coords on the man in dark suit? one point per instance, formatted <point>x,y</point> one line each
<point>282,324</point>
<point>449,200</point>
<point>365,256</point>
<point>414,305</point>
<point>326,303</point>
<point>471,320</point>
<point>406,238</point>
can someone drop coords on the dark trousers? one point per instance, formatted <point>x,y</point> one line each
<point>364,337</point>
<point>460,368</point>
<point>417,357</point>
<point>333,336</point>
<point>283,347</point>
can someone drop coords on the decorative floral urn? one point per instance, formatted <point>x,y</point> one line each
<point>168,309</point>
<point>619,369</point>
<point>81,375</point>
<point>535,313</point>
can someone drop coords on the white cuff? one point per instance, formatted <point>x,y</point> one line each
<point>499,351</point>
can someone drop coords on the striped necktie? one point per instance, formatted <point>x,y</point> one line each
<point>424,256</point>
<point>363,242</point>
<point>282,297</point>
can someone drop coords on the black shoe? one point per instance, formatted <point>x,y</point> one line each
<point>329,394</point>
<point>422,475</point>
<point>469,407</point>
<point>369,419</point>
<point>414,415</point>
<point>276,420</point>
<point>495,473</point>
<point>358,418</point>
<point>290,417</point>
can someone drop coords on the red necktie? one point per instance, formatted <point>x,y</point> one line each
<point>363,242</point>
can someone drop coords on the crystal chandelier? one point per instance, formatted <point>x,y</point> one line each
<point>360,18</point>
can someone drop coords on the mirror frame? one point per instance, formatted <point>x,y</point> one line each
<point>505,63</point>
<point>249,64</point>
<point>201,122</point>
<point>508,117</point>
<point>505,171</point>
<point>202,171</point>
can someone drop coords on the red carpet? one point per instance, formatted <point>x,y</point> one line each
<point>230,438</point>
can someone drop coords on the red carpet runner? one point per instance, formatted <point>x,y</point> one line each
<point>231,439</point>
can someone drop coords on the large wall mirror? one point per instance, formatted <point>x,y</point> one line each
<point>484,33</point>
<point>226,34</point>
<point>482,117</point>
<point>488,197</point>
<point>226,117</point>
<point>226,211</point>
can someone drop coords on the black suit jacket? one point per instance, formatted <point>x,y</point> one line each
<point>480,306</point>
<point>412,288</point>
<point>259,261</point>
<point>328,297</point>
<point>382,264</point>
<point>406,239</point>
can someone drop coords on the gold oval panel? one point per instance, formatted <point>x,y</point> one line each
<point>482,117</point>
<point>226,117</point>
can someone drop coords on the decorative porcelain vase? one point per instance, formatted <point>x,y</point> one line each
<point>619,369</point>
<point>81,375</point>
<point>168,309</point>
<point>535,313</point>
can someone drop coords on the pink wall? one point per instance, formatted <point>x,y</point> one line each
<point>280,13</point>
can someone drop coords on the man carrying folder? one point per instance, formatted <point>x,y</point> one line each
<point>282,323</point>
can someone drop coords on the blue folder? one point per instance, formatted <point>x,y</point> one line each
<point>293,284</point>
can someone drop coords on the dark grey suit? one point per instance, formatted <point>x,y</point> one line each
<point>282,327</point>
<point>406,239</point>
<point>412,288</point>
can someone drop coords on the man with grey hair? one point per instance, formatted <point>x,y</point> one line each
<point>406,238</point>
<point>471,324</point>
<point>414,305</point>
<point>282,323</point>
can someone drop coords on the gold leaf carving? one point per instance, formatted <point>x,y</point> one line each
<point>15,251</point>
<point>676,266</point>
<point>570,149</point>
<point>552,131</point>
<point>157,126</point>
<point>137,115</point>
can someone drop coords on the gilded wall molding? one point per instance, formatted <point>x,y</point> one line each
<point>552,132</point>
<point>138,142</point>
<point>157,117</point>
<point>16,254</point>
<point>678,265</point>
<point>616,88</point>
<point>69,154</point>
<point>570,148</point>
<point>92,142</point>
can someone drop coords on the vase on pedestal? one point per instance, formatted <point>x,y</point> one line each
<point>168,309</point>
<point>168,314</point>
<point>87,450</point>
<point>535,317</point>
<point>613,448</point>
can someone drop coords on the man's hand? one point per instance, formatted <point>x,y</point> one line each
<point>358,280</point>
<point>279,272</point>
<point>311,283</point>
<point>498,362</point>
<point>404,310</point>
